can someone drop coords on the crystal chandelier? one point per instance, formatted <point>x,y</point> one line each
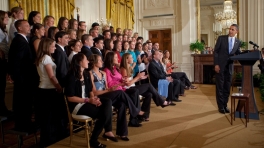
<point>227,17</point>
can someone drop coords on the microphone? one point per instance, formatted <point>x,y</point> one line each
<point>252,43</point>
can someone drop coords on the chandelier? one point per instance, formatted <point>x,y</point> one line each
<point>227,17</point>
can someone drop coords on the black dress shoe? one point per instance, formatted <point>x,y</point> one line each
<point>178,100</point>
<point>134,125</point>
<point>124,138</point>
<point>172,104</point>
<point>222,111</point>
<point>110,138</point>
<point>97,144</point>
<point>226,110</point>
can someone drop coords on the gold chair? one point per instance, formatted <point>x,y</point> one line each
<point>80,118</point>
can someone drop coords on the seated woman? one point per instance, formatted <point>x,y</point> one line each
<point>145,90</point>
<point>114,79</point>
<point>176,75</point>
<point>119,98</point>
<point>82,100</point>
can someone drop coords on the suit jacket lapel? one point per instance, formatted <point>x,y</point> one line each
<point>235,47</point>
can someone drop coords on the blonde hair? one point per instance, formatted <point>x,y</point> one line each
<point>124,64</point>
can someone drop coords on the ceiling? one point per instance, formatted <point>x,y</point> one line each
<point>213,2</point>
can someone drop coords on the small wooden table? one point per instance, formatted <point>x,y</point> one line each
<point>241,97</point>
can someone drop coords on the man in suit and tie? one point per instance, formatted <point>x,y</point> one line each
<point>20,68</point>
<point>87,41</point>
<point>98,46</point>
<point>225,47</point>
<point>156,72</point>
<point>60,56</point>
<point>62,63</point>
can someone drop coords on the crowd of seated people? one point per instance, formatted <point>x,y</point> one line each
<point>94,71</point>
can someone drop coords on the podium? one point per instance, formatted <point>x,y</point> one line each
<point>247,60</point>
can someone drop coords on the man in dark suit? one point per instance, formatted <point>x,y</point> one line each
<point>60,56</point>
<point>225,47</point>
<point>261,62</point>
<point>156,72</point>
<point>98,47</point>
<point>62,63</point>
<point>20,68</point>
<point>87,41</point>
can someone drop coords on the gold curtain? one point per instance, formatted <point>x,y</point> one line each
<point>121,13</point>
<point>28,6</point>
<point>59,8</point>
<point>56,8</point>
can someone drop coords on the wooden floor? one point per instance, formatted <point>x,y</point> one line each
<point>193,123</point>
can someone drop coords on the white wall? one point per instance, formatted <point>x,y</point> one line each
<point>90,11</point>
<point>182,25</point>
<point>4,5</point>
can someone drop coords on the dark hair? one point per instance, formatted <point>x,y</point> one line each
<point>235,25</point>
<point>36,26</point>
<point>144,44</point>
<point>123,45</point>
<point>107,44</point>
<point>60,34</point>
<point>72,43</point>
<point>71,23</point>
<point>14,10</point>
<point>60,23</point>
<point>97,40</point>
<point>80,23</point>
<point>75,67</point>
<point>140,38</point>
<point>165,51</point>
<point>154,53</point>
<point>106,32</point>
<point>43,49</point>
<point>118,35</point>
<point>95,24</point>
<point>115,45</point>
<point>51,32</point>
<point>109,61</point>
<point>18,23</point>
<point>2,17</point>
<point>31,15</point>
<point>137,44</point>
<point>113,34</point>
<point>93,59</point>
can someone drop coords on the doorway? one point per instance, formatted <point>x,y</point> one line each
<point>163,37</point>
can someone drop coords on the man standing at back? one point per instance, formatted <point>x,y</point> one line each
<point>225,47</point>
<point>20,69</point>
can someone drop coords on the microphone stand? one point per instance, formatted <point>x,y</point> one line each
<point>255,47</point>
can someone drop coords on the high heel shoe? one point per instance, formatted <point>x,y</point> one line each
<point>110,138</point>
<point>124,138</point>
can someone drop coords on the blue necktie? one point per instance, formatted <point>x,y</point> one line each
<point>230,45</point>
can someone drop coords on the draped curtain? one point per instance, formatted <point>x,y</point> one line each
<point>59,8</point>
<point>56,8</point>
<point>28,6</point>
<point>120,13</point>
